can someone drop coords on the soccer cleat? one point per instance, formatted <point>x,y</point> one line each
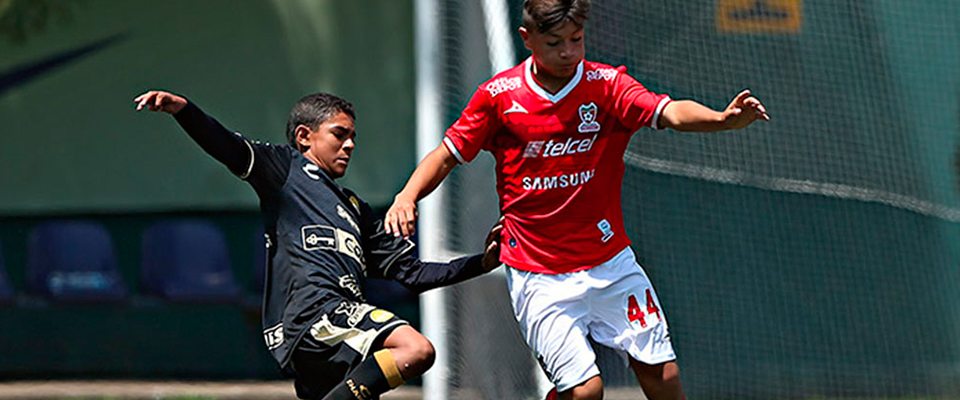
<point>552,395</point>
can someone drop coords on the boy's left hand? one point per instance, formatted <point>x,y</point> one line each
<point>158,100</point>
<point>743,110</point>
<point>491,254</point>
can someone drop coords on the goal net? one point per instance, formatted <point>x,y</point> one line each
<point>815,255</point>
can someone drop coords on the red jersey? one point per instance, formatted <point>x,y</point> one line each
<point>559,161</point>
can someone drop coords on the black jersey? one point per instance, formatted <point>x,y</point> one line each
<point>323,241</point>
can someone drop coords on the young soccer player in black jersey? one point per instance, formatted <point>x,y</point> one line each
<point>323,243</point>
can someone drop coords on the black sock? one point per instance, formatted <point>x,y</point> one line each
<point>373,376</point>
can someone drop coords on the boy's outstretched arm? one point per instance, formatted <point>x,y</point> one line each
<point>401,218</point>
<point>225,146</point>
<point>393,258</point>
<point>690,116</point>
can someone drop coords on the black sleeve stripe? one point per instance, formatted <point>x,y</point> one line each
<point>393,257</point>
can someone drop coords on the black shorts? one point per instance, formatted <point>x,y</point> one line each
<point>346,334</point>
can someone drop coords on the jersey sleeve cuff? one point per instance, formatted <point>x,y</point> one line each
<point>453,150</point>
<point>654,123</point>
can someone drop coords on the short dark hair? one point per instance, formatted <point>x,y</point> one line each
<point>544,15</point>
<point>313,110</point>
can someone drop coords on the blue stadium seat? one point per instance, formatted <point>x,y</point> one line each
<point>7,294</point>
<point>73,261</point>
<point>186,260</point>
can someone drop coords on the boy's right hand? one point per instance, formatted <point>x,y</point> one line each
<point>491,256</point>
<point>156,100</point>
<point>401,218</point>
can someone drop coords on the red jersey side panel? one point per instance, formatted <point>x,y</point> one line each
<point>559,161</point>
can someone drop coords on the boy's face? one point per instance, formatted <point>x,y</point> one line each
<point>558,51</point>
<point>330,145</point>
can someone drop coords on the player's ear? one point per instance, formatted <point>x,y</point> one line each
<point>525,35</point>
<point>302,136</point>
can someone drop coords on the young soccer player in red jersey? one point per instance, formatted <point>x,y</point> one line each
<point>558,127</point>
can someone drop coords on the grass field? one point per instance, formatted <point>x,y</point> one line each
<point>242,390</point>
<point>164,390</point>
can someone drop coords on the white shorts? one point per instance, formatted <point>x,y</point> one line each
<point>614,303</point>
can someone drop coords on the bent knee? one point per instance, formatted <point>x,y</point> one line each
<point>592,389</point>
<point>671,375</point>
<point>423,353</point>
<point>412,351</point>
<point>659,381</point>
<point>591,394</point>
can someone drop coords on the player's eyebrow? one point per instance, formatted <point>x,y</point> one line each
<point>575,33</point>
<point>344,129</point>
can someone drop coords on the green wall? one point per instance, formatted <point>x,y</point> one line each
<point>73,143</point>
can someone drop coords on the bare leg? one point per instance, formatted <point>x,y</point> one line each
<point>405,354</point>
<point>412,351</point>
<point>659,382</point>
<point>592,389</point>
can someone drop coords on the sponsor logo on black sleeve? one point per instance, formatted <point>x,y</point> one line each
<point>319,237</point>
<point>354,311</point>
<point>349,283</point>
<point>322,237</point>
<point>273,336</point>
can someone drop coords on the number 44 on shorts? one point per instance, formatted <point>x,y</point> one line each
<point>635,313</point>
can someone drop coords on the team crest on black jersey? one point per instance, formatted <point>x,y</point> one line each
<point>588,118</point>
<point>355,202</point>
